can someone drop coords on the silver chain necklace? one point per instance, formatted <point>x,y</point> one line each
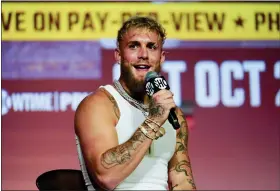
<point>143,108</point>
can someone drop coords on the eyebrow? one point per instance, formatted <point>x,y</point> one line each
<point>133,42</point>
<point>137,42</point>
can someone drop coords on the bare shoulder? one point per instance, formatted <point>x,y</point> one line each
<point>97,106</point>
<point>93,101</point>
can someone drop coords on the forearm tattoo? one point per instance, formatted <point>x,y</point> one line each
<point>172,187</point>
<point>183,138</point>
<point>183,166</point>
<point>156,110</point>
<point>122,153</point>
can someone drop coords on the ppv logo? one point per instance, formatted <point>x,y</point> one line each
<point>160,83</point>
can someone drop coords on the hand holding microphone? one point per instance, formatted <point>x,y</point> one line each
<point>162,105</point>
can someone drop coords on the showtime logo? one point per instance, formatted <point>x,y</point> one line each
<point>41,101</point>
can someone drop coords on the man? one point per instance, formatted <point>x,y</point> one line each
<point>124,138</point>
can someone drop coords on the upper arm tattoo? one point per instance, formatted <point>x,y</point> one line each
<point>122,153</point>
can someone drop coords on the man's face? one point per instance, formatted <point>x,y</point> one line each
<point>139,52</point>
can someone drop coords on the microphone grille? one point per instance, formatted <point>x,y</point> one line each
<point>150,75</point>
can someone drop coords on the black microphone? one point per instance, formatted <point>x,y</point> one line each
<point>155,83</point>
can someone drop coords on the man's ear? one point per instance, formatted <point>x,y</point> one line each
<point>162,57</point>
<point>117,55</point>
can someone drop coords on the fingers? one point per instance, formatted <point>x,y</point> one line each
<point>164,91</point>
<point>164,98</point>
<point>170,105</point>
<point>163,95</point>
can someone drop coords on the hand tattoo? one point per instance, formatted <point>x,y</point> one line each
<point>156,110</point>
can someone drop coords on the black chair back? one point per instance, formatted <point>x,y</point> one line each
<point>61,179</point>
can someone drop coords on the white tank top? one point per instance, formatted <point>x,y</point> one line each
<point>152,172</point>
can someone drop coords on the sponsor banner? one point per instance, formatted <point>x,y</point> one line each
<point>182,20</point>
<point>40,101</point>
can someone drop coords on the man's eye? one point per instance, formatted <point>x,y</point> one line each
<point>132,46</point>
<point>153,47</point>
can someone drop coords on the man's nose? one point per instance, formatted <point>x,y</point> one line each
<point>143,53</point>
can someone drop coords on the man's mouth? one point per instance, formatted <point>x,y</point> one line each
<point>142,67</point>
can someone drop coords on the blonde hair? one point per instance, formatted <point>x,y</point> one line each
<point>143,23</point>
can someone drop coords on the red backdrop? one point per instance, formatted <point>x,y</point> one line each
<point>234,143</point>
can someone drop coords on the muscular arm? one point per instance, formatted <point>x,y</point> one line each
<point>180,175</point>
<point>107,162</point>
